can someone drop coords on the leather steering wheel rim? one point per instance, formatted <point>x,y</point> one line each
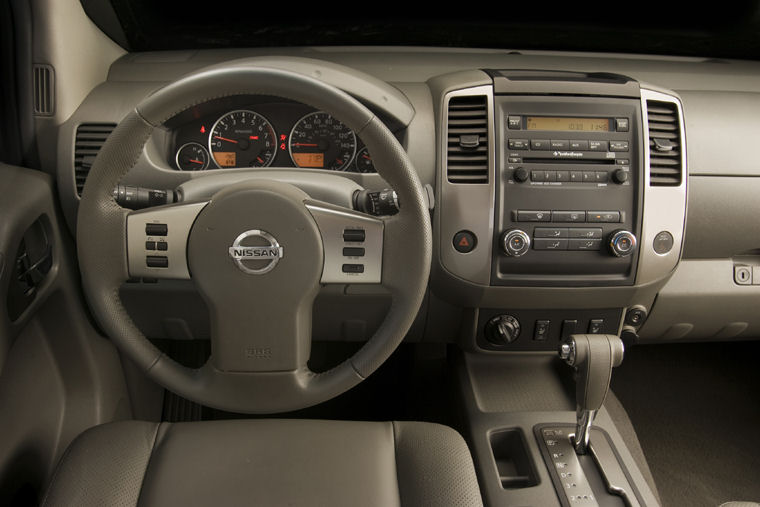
<point>102,243</point>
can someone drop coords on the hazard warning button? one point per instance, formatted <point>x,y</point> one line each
<point>465,242</point>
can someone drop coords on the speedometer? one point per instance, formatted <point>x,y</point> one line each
<point>318,140</point>
<point>242,139</point>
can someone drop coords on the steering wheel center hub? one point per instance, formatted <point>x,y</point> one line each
<point>256,252</point>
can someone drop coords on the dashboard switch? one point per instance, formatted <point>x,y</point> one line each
<point>622,243</point>
<point>541,330</point>
<point>157,261</point>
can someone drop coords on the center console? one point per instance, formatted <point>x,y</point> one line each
<point>560,212</point>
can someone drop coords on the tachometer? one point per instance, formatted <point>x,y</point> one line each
<point>242,139</point>
<point>318,140</point>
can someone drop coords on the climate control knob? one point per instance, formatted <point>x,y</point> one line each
<point>622,243</point>
<point>515,243</point>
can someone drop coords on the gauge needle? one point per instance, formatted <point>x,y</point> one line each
<point>305,144</point>
<point>225,139</point>
<point>195,161</point>
<point>367,157</point>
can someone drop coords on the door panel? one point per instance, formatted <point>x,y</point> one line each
<point>58,376</point>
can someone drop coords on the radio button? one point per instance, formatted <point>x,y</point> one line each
<point>552,232</point>
<point>579,145</point>
<point>589,177</point>
<point>514,122</point>
<point>576,176</point>
<point>603,216</point>
<point>539,144</point>
<point>596,145</point>
<point>518,144</point>
<point>601,176</point>
<point>514,160</point>
<point>584,233</point>
<point>563,175</point>
<point>520,175</point>
<point>550,244</point>
<point>568,216</point>
<point>584,244</point>
<point>621,124</point>
<point>538,175</point>
<point>534,216</point>
<point>560,145</point>
<point>618,145</point>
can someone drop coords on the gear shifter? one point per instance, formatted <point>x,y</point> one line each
<point>593,356</point>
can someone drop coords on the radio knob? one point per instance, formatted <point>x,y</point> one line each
<point>622,243</point>
<point>620,176</point>
<point>520,175</point>
<point>515,243</point>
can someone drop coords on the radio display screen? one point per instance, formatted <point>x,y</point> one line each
<point>567,124</point>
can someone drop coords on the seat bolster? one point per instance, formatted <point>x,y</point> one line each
<point>434,466</point>
<point>104,466</point>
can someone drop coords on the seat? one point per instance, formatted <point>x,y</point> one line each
<point>266,462</point>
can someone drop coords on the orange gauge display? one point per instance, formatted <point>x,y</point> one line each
<point>242,139</point>
<point>320,141</point>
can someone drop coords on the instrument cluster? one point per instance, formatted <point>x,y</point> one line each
<point>244,132</point>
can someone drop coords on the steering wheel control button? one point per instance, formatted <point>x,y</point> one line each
<point>353,252</point>
<point>157,261</point>
<point>515,243</point>
<point>353,268</point>
<point>465,241</point>
<point>354,235</point>
<point>156,229</point>
<point>663,242</point>
<point>534,216</point>
<point>622,243</point>
<point>256,252</point>
<point>150,245</point>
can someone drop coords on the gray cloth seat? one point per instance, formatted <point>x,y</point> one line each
<point>266,462</point>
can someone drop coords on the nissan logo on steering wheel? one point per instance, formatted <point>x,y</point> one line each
<point>259,255</point>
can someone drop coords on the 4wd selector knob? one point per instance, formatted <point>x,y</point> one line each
<point>622,243</point>
<point>502,329</point>
<point>515,243</point>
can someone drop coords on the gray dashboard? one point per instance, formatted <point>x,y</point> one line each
<point>692,294</point>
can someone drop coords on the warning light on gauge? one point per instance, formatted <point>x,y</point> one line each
<point>282,146</point>
<point>203,129</point>
<point>283,137</point>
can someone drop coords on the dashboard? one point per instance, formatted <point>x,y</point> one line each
<point>250,132</point>
<point>560,202</point>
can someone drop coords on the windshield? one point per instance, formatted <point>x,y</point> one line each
<point>148,25</point>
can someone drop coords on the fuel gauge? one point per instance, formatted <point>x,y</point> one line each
<point>192,157</point>
<point>364,162</point>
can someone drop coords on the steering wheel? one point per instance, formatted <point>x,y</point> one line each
<point>257,251</point>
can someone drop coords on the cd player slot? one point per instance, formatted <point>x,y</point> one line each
<point>588,161</point>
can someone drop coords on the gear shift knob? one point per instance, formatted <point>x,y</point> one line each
<point>593,356</point>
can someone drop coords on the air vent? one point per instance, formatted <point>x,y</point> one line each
<point>44,90</point>
<point>467,148</point>
<point>90,138</point>
<point>665,144</point>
